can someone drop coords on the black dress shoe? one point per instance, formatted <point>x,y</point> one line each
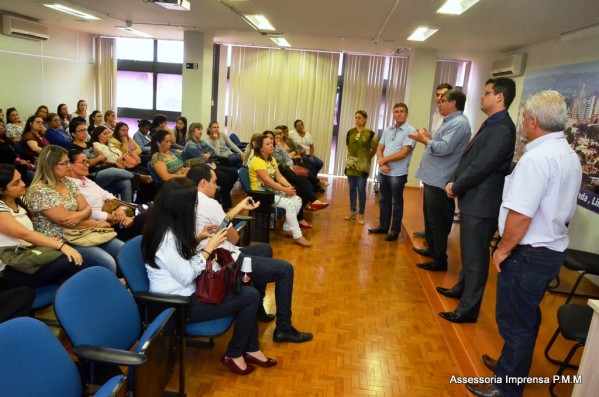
<point>392,237</point>
<point>490,363</point>
<point>423,252</point>
<point>377,230</point>
<point>291,335</point>
<point>433,266</point>
<point>457,317</point>
<point>264,317</point>
<point>448,292</point>
<point>483,389</point>
<point>419,234</point>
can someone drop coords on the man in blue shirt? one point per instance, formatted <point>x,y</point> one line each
<point>438,164</point>
<point>393,155</point>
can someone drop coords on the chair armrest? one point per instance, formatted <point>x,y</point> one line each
<point>246,218</point>
<point>175,300</point>
<point>266,200</point>
<point>108,355</point>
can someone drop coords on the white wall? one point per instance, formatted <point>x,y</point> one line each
<point>33,73</point>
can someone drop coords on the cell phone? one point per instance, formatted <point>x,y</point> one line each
<point>224,224</point>
<point>240,225</point>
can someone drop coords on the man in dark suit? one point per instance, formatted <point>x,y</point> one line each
<point>478,184</point>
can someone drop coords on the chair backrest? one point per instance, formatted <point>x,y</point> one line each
<point>95,308</point>
<point>244,178</point>
<point>44,296</point>
<point>153,173</point>
<point>131,264</point>
<point>34,362</point>
<point>235,139</point>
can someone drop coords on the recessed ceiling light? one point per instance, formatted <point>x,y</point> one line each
<point>456,7</point>
<point>72,11</point>
<point>281,41</point>
<point>258,22</point>
<point>422,34</point>
<point>135,31</point>
<point>174,5</point>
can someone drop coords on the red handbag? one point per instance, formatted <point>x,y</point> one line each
<point>300,171</point>
<point>219,278</point>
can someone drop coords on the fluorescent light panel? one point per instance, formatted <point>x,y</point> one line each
<point>72,11</point>
<point>422,34</point>
<point>281,41</point>
<point>456,7</point>
<point>174,5</point>
<point>259,22</point>
<point>135,31</point>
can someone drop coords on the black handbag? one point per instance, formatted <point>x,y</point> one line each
<point>219,279</point>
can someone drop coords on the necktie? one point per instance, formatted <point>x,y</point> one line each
<point>482,127</point>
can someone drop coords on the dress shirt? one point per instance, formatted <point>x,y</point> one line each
<point>544,186</point>
<point>395,139</point>
<point>94,195</point>
<point>443,152</point>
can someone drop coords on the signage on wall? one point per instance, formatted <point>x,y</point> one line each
<point>579,84</point>
<point>193,66</point>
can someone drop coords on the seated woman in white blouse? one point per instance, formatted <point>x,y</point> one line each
<point>16,228</point>
<point>126,227</point>
<point>174,260</point>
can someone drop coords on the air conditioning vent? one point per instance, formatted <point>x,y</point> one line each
<point>23,28</point>
<point>509,66</point>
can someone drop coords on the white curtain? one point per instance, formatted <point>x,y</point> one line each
<point>105,73</point>
<point>269,87</point>
<point>455,73</point>
<point>363,83</point>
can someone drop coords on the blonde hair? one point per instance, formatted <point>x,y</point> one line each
<point>44,174</point>
<point>191,129</point>
<point>249,148</point>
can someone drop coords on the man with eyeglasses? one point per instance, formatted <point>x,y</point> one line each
<point>393,153</point>
<point>478,183</point>
<point>441,157</point>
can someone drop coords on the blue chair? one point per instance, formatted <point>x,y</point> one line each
<point>132,266</point>
<point>101,319</point>
<point>35,363</point>
<point>154,174</point>
<point>260,226</point>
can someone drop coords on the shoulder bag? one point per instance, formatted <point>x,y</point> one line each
<point>88,237</point>
<point>219,278</point>
<point>29,260</point>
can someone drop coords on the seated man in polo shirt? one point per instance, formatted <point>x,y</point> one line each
<point>265,269</point>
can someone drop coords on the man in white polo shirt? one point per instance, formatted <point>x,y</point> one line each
<point>539,200</point>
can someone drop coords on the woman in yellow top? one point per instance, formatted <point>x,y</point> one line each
<point>122,141</point>
<point>265,175</point>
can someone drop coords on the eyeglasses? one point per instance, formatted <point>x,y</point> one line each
<point>83,130</point>
<point>84,162</point>
<point>66,163</point>
<point>488,93</point>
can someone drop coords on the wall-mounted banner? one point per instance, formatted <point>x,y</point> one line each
<point>579,84</point>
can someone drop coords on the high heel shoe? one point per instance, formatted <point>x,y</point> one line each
<point>264,364</point>
<point>361,219</point>
<point>351,216</point>
<point>228,361</point>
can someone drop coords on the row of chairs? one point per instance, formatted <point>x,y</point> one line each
<point>110,325</point>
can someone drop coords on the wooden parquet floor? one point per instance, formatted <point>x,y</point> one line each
<point>374,318</point>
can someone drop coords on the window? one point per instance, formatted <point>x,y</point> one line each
<point>149,78</point>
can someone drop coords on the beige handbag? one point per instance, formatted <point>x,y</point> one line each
<point>88,237</point>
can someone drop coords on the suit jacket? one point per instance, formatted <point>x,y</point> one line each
<point>479,178</point>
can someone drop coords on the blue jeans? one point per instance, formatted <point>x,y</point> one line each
<point>391,201</point>
<point>523,280</point>
<point>101,255</point>
<point>314,162</point>
<point>357,187</point>
<point>116,181</point>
